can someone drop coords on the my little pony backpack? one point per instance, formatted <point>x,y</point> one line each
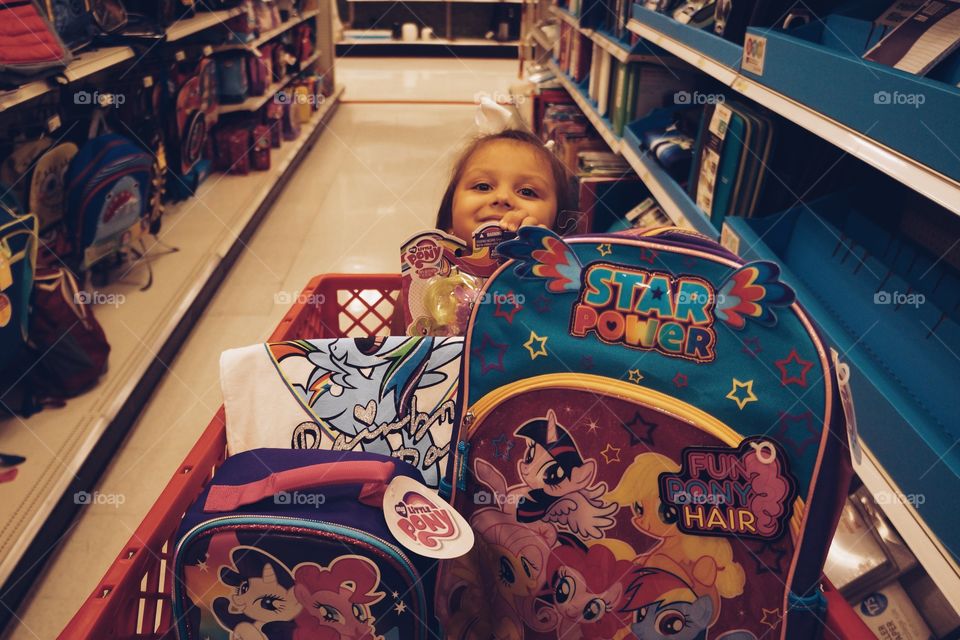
<point>651,445</point>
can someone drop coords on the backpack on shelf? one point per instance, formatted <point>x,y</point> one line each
<point>107,190</point>
<point>260,153</point>
<point>30,46</point>
<point>652,442</point>
<point>64,330</point>
<point>73,20</point>
<point>232,82</point>
<point>294,545</point>
<point>232,143</point>
<point>18,256</point>
<point>193,88</point>
<point>47,191</point>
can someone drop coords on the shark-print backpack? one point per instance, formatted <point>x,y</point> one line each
<point>651,444</point>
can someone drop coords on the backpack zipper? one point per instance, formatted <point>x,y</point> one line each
<point>382,545</point>
<point>642,395</point>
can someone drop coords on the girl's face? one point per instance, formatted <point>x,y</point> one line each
<point>504,178</point>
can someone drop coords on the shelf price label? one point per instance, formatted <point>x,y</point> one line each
<point>754,53</point>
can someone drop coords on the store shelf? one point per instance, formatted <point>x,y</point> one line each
<point>541,38</point>
<point>936,560</point>
<point>84,64</point>
<point>671,197</point>
<point>200,22</point>
<point>586,105</point>
<point>183,284</point>
<point>437,42</point>
<point>569,18</point>
<point>269,35</point>
<point>940,188</point>
<point>254,103</point>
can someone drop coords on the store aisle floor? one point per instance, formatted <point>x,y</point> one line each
<point>375,176</point>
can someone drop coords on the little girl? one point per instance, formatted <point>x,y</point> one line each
<point>507,177</point>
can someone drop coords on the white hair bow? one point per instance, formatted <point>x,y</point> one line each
<point>491,117</point>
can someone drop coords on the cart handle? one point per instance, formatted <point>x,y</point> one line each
<point>373,475</point>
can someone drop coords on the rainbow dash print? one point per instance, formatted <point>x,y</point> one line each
<point>664,607</point>
<point>393,396</point>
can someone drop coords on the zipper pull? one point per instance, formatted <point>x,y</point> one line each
<point>842,370</point>
<point>463,448</point>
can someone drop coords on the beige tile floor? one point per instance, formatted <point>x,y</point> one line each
<point>374,177</point>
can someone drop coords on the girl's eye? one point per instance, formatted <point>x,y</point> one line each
<point>242,589</point>
<point>328,613</point>
<point>637,508</point>
<point>482,186</point>
<point>527,192</point>
<point>359,613</point>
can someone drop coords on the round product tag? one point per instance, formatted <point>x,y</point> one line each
<point>423,522</point>
<point>6,310</point>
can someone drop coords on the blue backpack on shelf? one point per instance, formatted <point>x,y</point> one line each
<point>18,257</point>
<point>294,545</point>
<point>108,188</point>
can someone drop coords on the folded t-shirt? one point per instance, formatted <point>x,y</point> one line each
<point>389,395</point>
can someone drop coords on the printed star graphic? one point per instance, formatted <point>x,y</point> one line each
<point>586,362</point>
<point>480,351</point>
<point>789,426</point>
<point>640,430</point>
<point>592,426</point>
<point>611,454</point>
<point>805,367</point>
<point>680,380</point>
<point>742,400</point>
<point>400,607</point>
<point>771,618</point>
<point>657,293</point>
<point>751,346</point>
<point>605,249</point>
<point>202,566</point>
<point>635,376</point>
<point>648,255</point>
<point>508,446</point>
<point>771,566</point>
<point>395,594</point>
<point>542,304</point>
<point>514,307</point>
<point>541,350</point>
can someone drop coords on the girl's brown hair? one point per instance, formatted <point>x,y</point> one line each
<point>565,198</point>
